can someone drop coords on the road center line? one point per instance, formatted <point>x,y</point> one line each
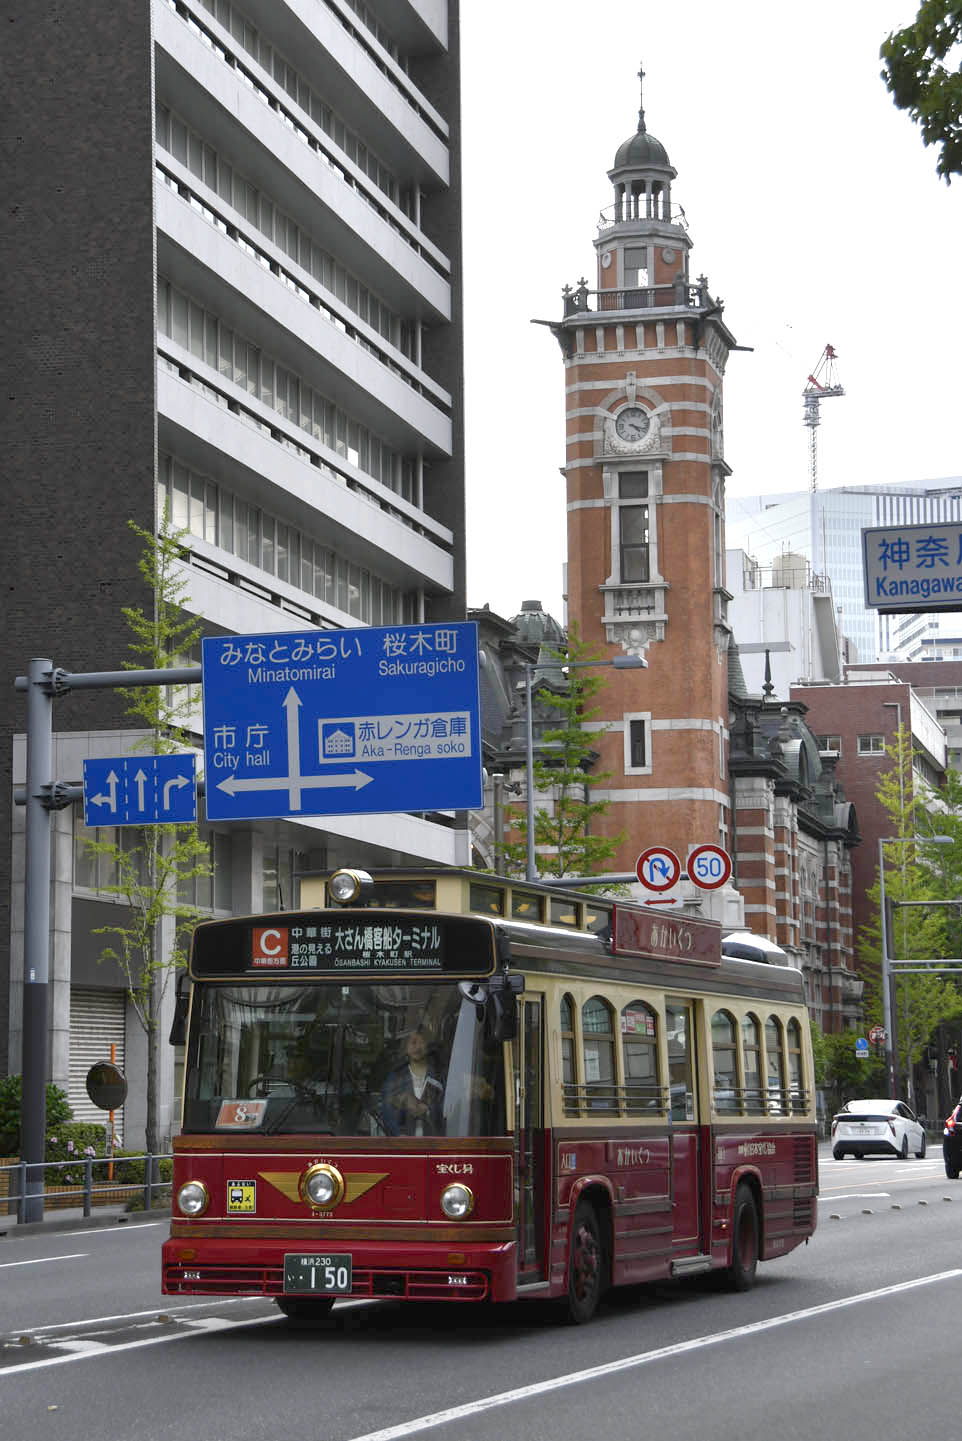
<point>628,1363</point>
<point>43,1260</point>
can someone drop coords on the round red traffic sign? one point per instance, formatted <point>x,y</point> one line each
<point>709,867</point>
<point>877,1035</point>
<point>658,868</point>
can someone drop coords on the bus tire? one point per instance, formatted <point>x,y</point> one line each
<point>745,1240</point>
<point>586,1265</point>
<point>304,1310</point>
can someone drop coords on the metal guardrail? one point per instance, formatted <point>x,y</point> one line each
<point>86,1193</point>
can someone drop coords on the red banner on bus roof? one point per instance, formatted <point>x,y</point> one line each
<point>641,932</point>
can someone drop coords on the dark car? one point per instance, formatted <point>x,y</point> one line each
<point>952,1143</point>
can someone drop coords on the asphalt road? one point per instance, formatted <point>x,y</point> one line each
<point>853,1335</point>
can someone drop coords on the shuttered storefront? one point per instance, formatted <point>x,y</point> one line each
<point>96,1023</point>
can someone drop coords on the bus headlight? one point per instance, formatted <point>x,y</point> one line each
<point>193,1198</point>
<point>346,886</point>
<point>322,1186</point>
<point>457,1202</point>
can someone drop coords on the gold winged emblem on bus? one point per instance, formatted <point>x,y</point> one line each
<point>356,1183</point>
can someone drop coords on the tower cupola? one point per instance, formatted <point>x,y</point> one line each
<point>642,174</point>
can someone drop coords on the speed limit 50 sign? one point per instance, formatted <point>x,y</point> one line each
<point>709,867</point>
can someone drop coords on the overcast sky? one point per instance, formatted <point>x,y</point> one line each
<point>815,212</point>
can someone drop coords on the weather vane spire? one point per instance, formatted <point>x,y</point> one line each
<point>641,98</point>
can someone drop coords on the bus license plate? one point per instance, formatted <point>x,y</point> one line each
<point>318,1272</point>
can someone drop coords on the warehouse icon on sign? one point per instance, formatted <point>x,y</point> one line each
<point>337,741</point>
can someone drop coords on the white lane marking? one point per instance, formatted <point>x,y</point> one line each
<point>118,1230</point>
<point>155,1311</point>
<point>43,1260</point>
<point>85,1350</point>
<point>594,1373</point>
<point>857,1196</point>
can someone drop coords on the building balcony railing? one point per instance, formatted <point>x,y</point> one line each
<point>621,215</point>
<point>579,299</point>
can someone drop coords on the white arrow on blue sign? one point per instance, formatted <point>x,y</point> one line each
<point>342,722</point>
<point>861,1048</point>
<point>140,790</point>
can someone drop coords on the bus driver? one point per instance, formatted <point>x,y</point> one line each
<point>412,1094</point>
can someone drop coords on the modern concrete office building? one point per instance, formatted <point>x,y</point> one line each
<point>232,283</point>
<point>825,527</point>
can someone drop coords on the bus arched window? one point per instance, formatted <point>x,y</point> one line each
<point>773,1055</point>
<point>793,1051</point>
<point>724,1049</point>
<point>752,1061</point>
<point>598,1043</point>
<point>639,1043</point>
<point>569,1073</point>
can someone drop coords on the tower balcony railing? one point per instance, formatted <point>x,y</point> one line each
<point>580,300</point>
<point>626,213</point>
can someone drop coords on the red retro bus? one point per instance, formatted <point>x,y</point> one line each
<point>448,1085</point>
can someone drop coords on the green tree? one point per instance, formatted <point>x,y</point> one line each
<point>847,1076</point>
<point>566,754</point>
<point>58,1112</point>
<point>919,80</point>
<point>914,872</point>
<point>154,866</point>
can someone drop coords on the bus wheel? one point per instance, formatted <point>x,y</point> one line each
<point>586,1265</point>
<point>304,1309</point>
<point>741,1272</point>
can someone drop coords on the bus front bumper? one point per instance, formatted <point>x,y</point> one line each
<point>478,1272</point>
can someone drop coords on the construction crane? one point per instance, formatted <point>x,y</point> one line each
<point>822,385</point>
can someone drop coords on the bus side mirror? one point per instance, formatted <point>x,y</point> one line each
<point>178,1025</point>
<point>502,1009</point>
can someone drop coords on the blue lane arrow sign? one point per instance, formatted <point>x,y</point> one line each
<point>140,790</point>
<point>342,722</point>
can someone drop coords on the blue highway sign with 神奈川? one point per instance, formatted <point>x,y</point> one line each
<point>913,567</point>
<point>140,790</point>
<point>342,722</point>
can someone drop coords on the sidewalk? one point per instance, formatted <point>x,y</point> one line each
<point>74,1220</point>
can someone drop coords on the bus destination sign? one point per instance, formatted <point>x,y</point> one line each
<point>350,943</point>
<point>642,932</point>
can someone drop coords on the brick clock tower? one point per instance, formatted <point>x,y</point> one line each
<point>644,357</point>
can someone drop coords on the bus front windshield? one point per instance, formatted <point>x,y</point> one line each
<point>341,1060</point>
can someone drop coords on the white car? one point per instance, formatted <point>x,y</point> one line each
<point>869,1128</point>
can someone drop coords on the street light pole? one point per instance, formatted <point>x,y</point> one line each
<point>886,977</point>
<point>618,662</point>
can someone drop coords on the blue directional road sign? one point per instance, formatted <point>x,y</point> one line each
<point>140,790</point>
<point>342,722</point>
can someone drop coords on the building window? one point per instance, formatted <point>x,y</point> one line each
<point>280,865</point>
<point>633,485</point>
<point>871,745</point>
<point>637,731</point>
<point>633,542</point>
<point>830,743</point>
<point>636,267</point>
<point>109,859</point>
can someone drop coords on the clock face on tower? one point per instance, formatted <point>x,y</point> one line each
<point>632,423</point>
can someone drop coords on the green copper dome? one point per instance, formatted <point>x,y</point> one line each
<point>641,151</point>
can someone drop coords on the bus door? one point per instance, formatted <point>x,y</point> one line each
<point>530,1141</point>
<point>685,1147</point>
